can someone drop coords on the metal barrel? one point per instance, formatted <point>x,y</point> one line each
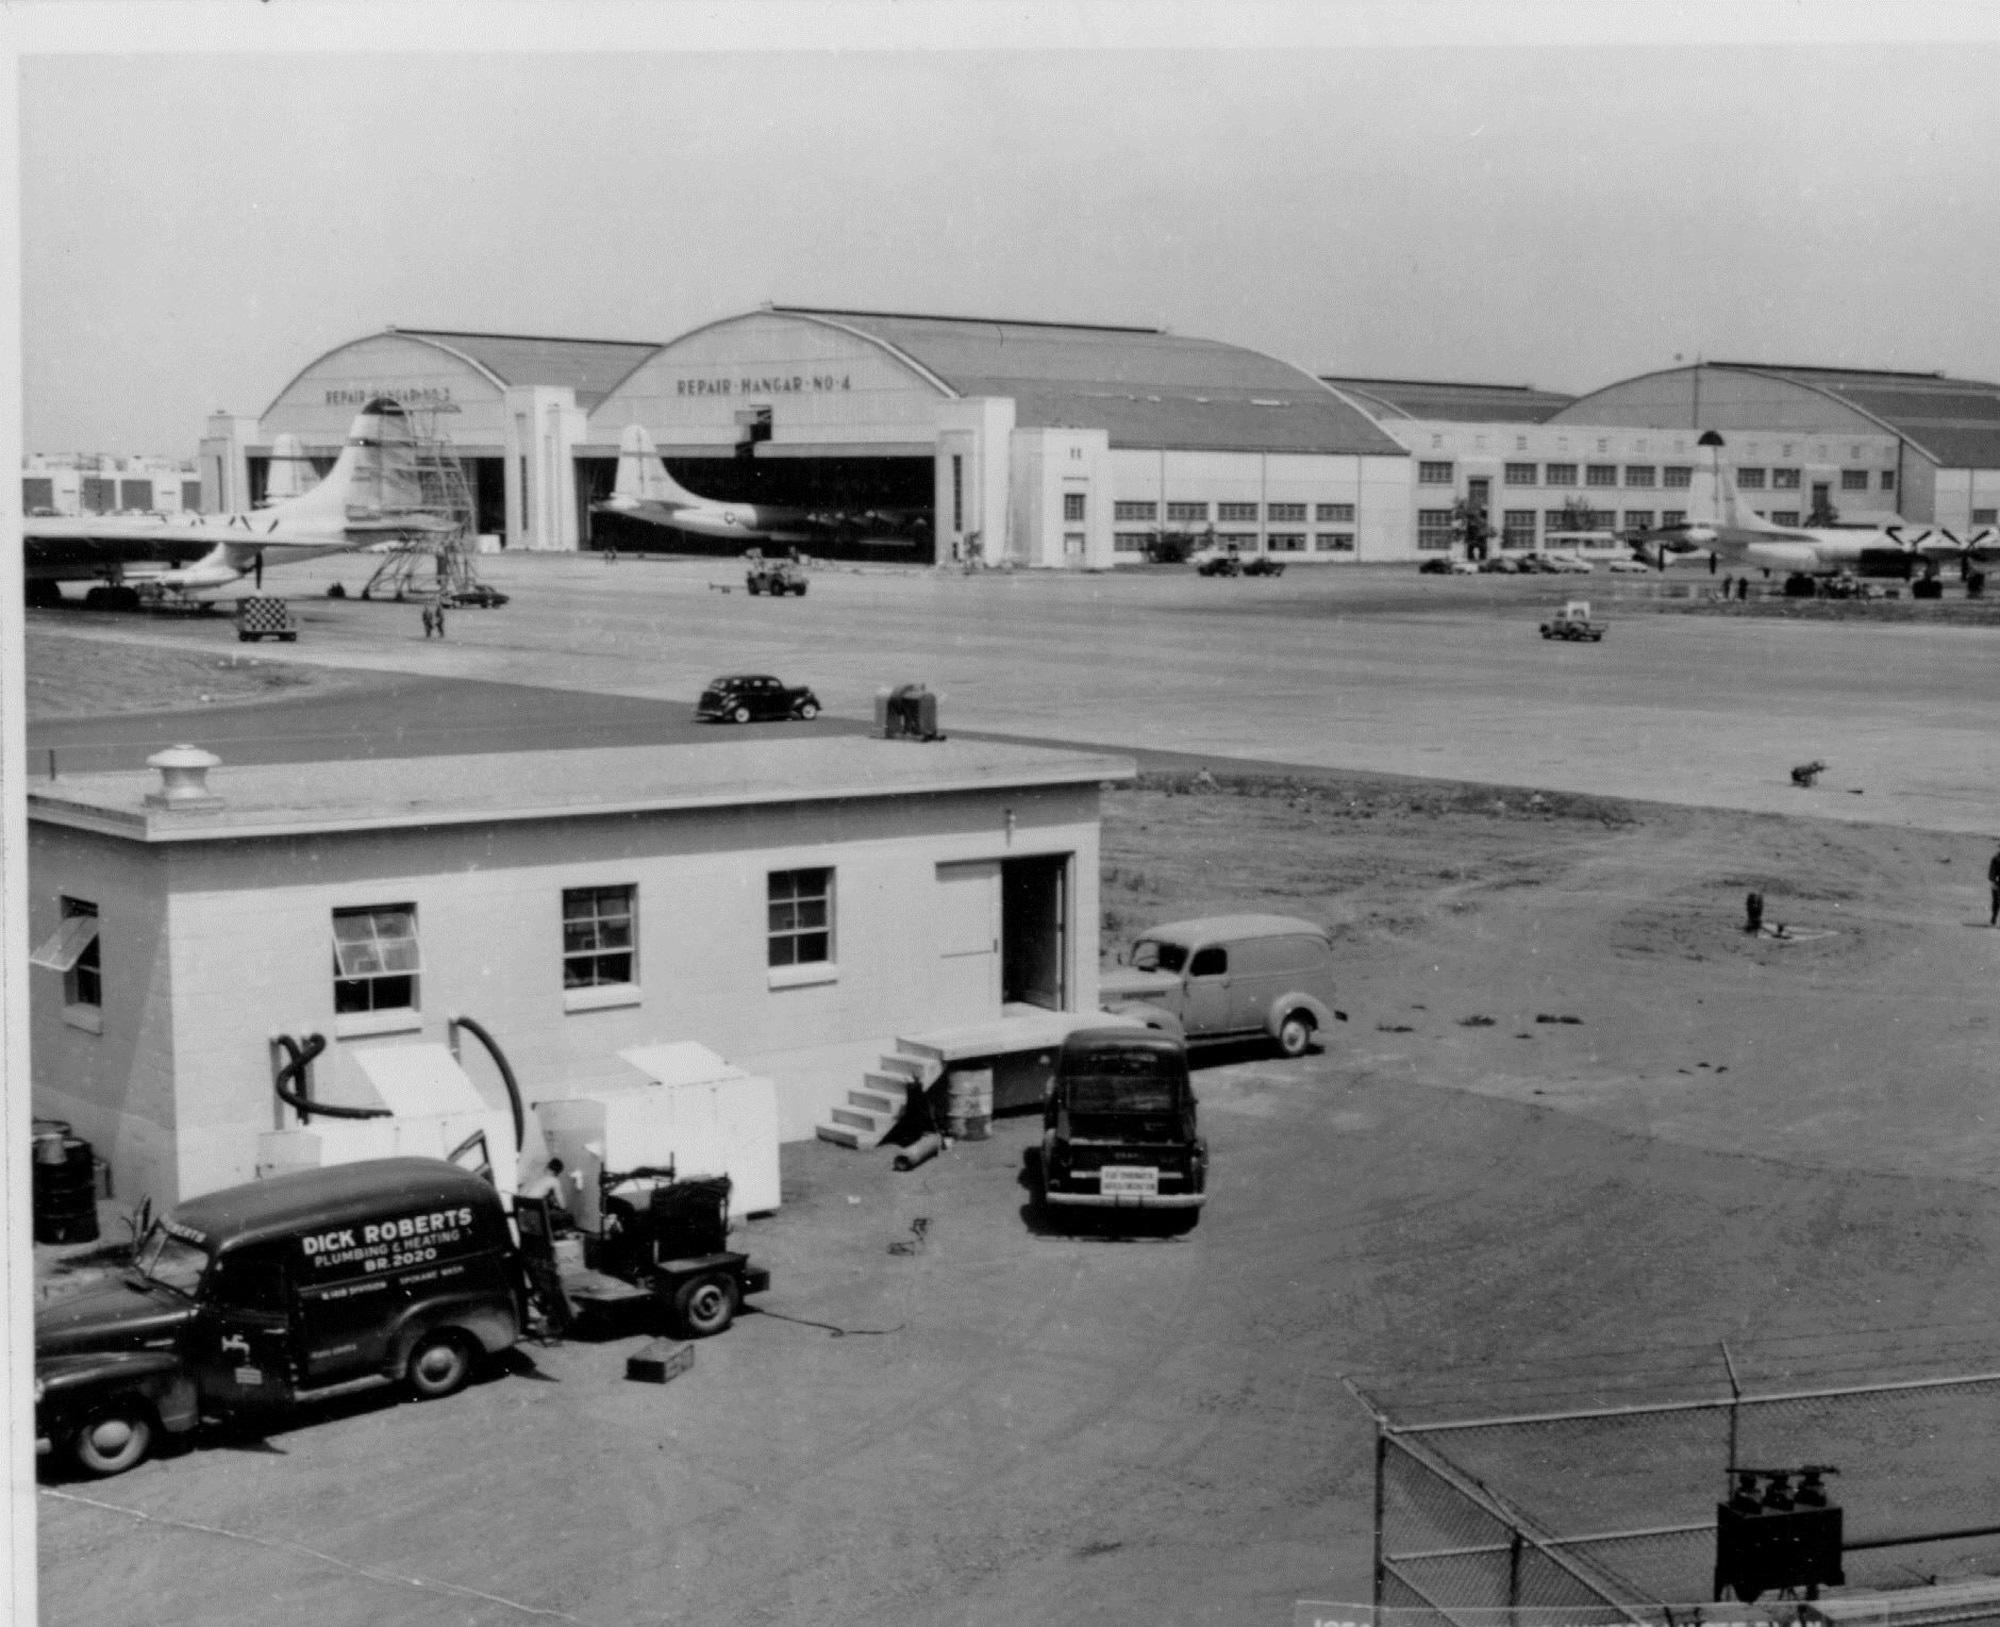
<point>64,1197</point>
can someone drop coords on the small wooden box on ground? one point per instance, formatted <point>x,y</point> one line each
<point>659,1361</point>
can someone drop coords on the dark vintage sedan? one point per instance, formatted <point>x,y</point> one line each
<point>754,698</point>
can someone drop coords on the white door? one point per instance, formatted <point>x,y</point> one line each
<point>967,933</point>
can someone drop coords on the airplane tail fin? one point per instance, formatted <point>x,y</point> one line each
<point>374,475</point>
<point>1715,501</point>
<point>642,473</point>
<point>291,472</point>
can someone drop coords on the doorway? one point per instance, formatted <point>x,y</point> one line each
<point>1034,931</point>
<point>1002,933</point>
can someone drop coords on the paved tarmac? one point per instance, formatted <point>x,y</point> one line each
<point>1369,669</point>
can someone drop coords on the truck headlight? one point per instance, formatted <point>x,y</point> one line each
<point>41,1389</point>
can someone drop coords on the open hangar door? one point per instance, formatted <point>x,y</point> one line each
<point>877,509</point>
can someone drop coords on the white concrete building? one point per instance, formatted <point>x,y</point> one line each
<point>794,905</point>
<point>100,483</point>
<point>1026,443</point>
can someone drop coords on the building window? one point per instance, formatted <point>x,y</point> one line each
<point>1286,513</point>
<point>599,945</point>
<point>1130,542</point>
<point>1854,480</point>
<point>1135,511</point>
<point>72,950</point>
<point>1784,480</point>
<point>1677,477</point>
<point>1519,474</point>
<point>1187,511</point>
<point>1334,513</point>
<point>1750,479</point>
<point>1520,443</point>
<point>1434,530</point>
<point>1638,474</point>
<point>1888,479</point>
<point>1784,516</point>
<point>1333,542</point>
<point>1072,506</point>
<point>1638,519</point>
<point>1239,512</point>
<point>958,491</point>
<point>1985,516</point>
<point>1517,528</point>
<point>375,962</point>
<point>1559,474</point>
<point>1601,474</point>
<point>1673,516</point>
<point>801,917</point>
<point>1237,539</point>
<point>1287,542</point>
<point>1433,474</point>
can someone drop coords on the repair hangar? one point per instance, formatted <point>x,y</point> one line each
<point>1847,445</point>
<point>799,907</point>
<point>1023,443</point>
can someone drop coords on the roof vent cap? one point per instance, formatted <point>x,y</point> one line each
<point>183,779</point>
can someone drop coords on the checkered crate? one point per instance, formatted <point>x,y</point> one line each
<point>264,617</point>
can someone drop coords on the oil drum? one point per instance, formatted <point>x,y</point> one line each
<point>64,1197</point>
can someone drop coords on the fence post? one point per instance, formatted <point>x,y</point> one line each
<point>1735,1414</point>
<point>1513,1567</point>
<point>1381,1503</point>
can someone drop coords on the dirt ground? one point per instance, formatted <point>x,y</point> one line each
<point>75,677</point>
<point>1580,1129</point>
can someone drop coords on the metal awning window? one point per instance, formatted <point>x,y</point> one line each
<point>66,946</point>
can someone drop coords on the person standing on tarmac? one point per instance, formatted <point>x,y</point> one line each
<point>1993,887</point>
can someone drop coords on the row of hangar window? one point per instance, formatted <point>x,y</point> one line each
<point>1672,476</point>
<point>1239,513</point>
<point>378,964</point>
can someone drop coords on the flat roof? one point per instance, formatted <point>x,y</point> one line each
<point>326,798</point>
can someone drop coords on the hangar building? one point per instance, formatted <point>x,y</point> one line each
<point>806,908</point>
<point>1870,444</point>
<point>1029,443</point>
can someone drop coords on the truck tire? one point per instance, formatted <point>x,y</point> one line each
<point>1295,1034</point>
<point>116,1436</point>
<point>441,1365</point>
<point>705,1305</point>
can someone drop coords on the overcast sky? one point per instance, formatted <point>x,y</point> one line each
<point>1560,195</point>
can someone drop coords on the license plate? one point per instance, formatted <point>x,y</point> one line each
<point>1130,1181</point>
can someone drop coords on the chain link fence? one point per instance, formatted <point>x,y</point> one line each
<point>1607,1515</point>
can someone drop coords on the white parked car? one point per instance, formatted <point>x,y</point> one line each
<point>1627,567</point>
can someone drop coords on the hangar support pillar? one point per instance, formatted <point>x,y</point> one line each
<point>543,428</point>
<point>225,463</point>
<point>974,437</point>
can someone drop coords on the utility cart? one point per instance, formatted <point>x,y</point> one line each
<point>661,1240</point>
<point>1573,622</point>
<point>776,577</point>
<point>265,617</point>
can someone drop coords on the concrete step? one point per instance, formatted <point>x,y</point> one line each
<point>920,1068</point>
<point>881,1093</point>
<point>856,1136</point>
<point>863,1118</point>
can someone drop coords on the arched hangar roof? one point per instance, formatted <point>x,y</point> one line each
<point>590,367</point>
<point>1455,403</point>
<point>1144,386</point>
<point>1953,422</point>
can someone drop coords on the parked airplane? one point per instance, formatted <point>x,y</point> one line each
<point>1726,529</point>
<point>645,491</point>
<point>368,497</point>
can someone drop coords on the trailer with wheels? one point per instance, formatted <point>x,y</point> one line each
<point>661,1244</point>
